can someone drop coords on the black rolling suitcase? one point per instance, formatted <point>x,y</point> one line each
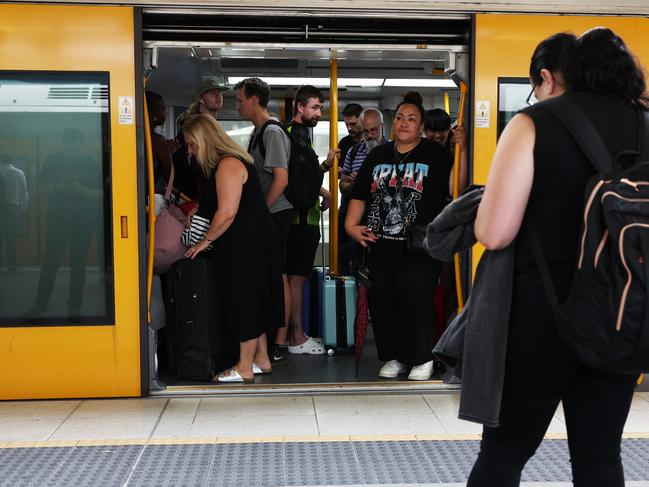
<point>201,343</point>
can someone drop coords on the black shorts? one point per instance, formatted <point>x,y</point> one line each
<point>283,220</point>
<point>303,242</point>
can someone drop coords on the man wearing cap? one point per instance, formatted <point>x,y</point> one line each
<point>209,97</point>
<point>189,178</point>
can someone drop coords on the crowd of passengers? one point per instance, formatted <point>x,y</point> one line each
<point>534,193</point>
<point>265,249</point>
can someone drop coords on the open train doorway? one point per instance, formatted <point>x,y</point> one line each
<point>377,62</point>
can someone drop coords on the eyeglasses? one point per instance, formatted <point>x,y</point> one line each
<point>528,100</point>
<point>372,131</point>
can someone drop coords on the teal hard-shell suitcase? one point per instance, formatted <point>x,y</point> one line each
<point>338,311</point>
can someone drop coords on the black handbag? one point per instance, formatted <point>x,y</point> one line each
<point>416,236</point>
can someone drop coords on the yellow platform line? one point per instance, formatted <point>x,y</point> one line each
<point>270,439</point>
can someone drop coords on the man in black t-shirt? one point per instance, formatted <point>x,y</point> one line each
<point>351,114</point>
<point>304,235</point>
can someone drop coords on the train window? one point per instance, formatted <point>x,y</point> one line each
<point>55,199</point>
<point>239,130</point>
<point>513,96</point>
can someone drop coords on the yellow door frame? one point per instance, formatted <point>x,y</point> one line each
<point>82,361</point>
<point>503,47</point>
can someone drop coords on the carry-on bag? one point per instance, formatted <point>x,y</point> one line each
<point>338,311</point>
<point>201,341</point>
<point>312,303</point>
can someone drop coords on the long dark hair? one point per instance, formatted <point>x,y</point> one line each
<point>599,61</point>
<point>549,54</point>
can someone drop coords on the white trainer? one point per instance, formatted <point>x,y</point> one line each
<point>392,369</point>
<point>421,372</point>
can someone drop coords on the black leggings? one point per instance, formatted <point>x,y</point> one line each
<point>540,373</point>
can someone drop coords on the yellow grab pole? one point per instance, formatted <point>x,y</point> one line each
<point>464,92</point>
<point>150,208</point>
<point>447,103</point>
<point>333,172</point>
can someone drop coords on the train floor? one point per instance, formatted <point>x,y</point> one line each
<point>304,369</point>
<point>306,440</point>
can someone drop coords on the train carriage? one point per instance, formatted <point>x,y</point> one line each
<point>73,303</point>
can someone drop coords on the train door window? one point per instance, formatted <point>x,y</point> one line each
<point>513,96</point>
<point>55,199</point>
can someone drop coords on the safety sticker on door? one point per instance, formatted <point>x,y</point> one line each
<point>482,114</point>
<point>126,110</point>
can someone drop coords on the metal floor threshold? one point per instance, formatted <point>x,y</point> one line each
<point>398,387</point>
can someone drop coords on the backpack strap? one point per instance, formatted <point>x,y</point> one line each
<point>582,129</point>
<point>643,133</point>
<point>258,139</point>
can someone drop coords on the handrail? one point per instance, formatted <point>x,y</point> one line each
<point>464,91</point>
<point>150,207</point>
<point>333,172</point>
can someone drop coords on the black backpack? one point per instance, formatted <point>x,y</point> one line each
<point>605,320</point>
<point>304,174</point>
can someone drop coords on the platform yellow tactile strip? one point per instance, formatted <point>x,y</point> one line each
<point>269,439</point>
<point>183,441</point>
<point>111,442</point>
<point>448,437</point>
<point>250,439</point>
<point>41,444</point>
<point>316,438</point>
<point>383,438</point>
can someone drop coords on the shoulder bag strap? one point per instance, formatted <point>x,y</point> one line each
<point>170,184</point>
<point>583,131</point>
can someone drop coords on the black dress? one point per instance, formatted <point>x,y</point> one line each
<point>251,292</point>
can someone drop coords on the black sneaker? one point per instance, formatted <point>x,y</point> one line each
<point>277,353</point>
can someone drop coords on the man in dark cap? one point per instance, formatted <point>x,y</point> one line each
<point>189,178</point>
<point>209,97</point>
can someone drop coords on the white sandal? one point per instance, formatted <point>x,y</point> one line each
<point>311,347</point>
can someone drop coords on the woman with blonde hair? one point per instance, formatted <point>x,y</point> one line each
<point>242,240</point>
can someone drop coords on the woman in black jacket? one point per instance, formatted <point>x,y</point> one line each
<point>538,177</point>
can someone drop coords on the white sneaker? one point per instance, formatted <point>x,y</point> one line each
<point>421,372</point>
<point>392,369</point>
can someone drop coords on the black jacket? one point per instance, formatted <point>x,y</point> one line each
<point>474,344</point>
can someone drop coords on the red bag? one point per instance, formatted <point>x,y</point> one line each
<point>188,206</point>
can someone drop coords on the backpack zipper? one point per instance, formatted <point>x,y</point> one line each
<point>586,211</point>
<point>600,247</point>
<point>618,324</point>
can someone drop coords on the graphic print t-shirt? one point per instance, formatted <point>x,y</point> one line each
<point>424,191</point>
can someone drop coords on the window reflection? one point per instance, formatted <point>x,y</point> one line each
<point>56,264</point>
<point>513,95</point>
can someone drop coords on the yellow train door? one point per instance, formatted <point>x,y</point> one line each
<point>69,270</point>
<point>503,47</point>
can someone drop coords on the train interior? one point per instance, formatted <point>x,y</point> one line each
<point>377,64</point>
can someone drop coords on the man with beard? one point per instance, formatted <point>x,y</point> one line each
<point>371,124</point>
<point>351,112</point>
<point>304,235</point>
<point>209,97</point>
